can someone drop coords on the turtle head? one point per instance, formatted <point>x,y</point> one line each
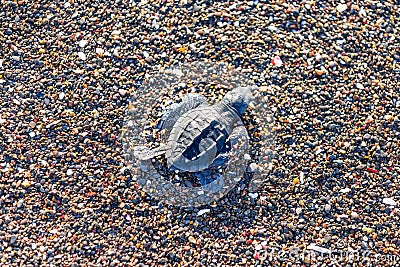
<point>239,99</point>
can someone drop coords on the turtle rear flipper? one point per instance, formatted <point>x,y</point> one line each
<point>237,138</point>
<point>189,102</point>
<point>220,160</point>
<point>144,153</point>
<point>195,163</point>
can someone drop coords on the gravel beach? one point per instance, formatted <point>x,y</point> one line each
<point>329,69</point>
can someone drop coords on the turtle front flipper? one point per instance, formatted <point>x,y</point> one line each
<point>239,136</point>
<point>189,102</point>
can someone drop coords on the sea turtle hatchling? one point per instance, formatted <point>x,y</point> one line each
<point>200,134</point>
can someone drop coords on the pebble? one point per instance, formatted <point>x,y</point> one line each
<point>192,240</point>
<point>389,201</point>
<point>354,215</point>
<point>82,55</point>
<point>99,50</point>
<point>203,211</point>
<point>122,92</point>
<point>83,43</point>
<point>253,195</point>
<point>359,86</point>
<point>26,183</point>
<point>318,248</point>
<point>13,239</point>
<point>328,207</point>
<point>253,167</point>
<point>61,96</point>
<point>277,61</point>
<point>341,7</point>
<point>299,210</point>
<point>32,124</point>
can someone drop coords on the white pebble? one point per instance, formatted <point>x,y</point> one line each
<point>99,50</point>
<point>328,207</point>
<point>253,167</point>
<point>70,172</point>
<point>83,43</point>
<point>273,28</point>
<point>298,210</point>
<point>115,32</point>
<point>345,190</point>
<point>82,55</point>
<point>388,117</point>
<point>362,12</point>
<point>201,212</point>
<point>253,195</point>
<point>318,248</point>
<point>341,7</point>
<point>122,92</point>
<point>155,24</point>
<point>389,201</point>
<point>61,96</point>
<point>359,86</point>
<point>116,52</point>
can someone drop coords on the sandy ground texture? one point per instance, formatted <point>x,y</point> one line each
<point>68,69</point>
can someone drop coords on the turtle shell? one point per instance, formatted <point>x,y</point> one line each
<point>197,138</point>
